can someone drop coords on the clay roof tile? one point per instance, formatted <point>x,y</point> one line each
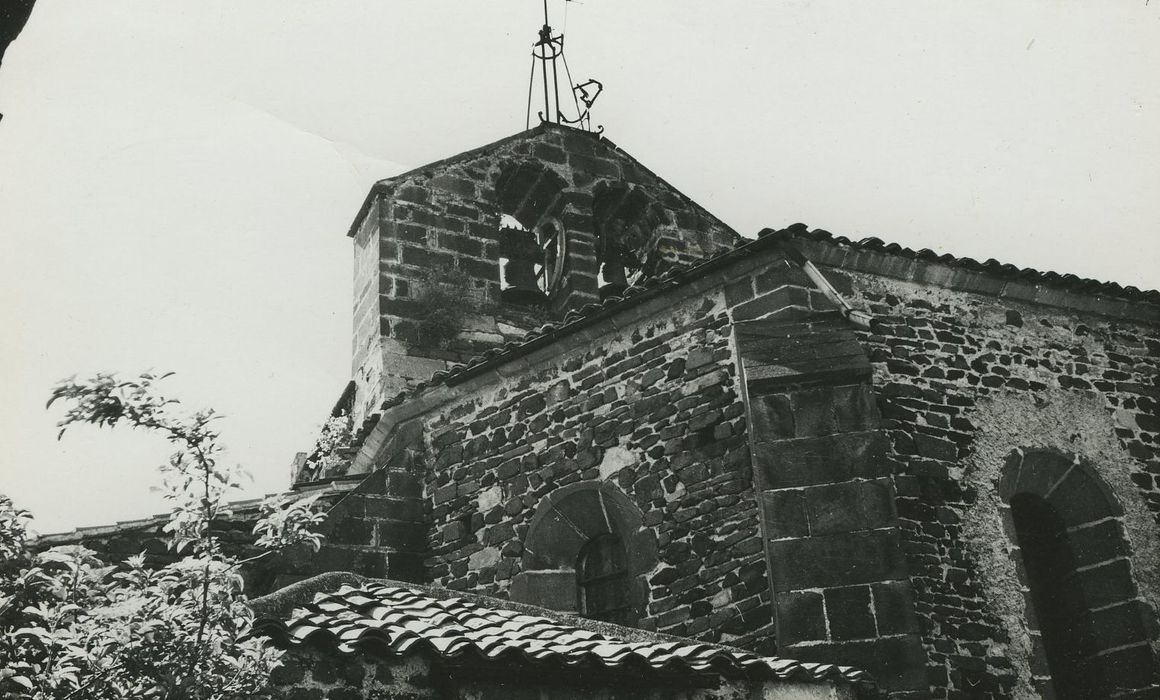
<point>405,619</point>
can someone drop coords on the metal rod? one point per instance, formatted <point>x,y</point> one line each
<point>556,83</point>
<point>858,318</point>
<point>531,82</point>
<point>568,74</point>
<point>544,72</point>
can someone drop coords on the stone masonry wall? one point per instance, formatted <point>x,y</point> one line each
<point>654,408</point>
<point>649,402</point>
<point>965,380</point>
<point>428,249</point>
<point>377,530</point>
<point>315,675</point>
<point>840,586</point>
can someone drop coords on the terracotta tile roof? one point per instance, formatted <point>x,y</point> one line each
<point>406,619</point>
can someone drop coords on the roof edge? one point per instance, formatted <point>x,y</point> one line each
<point>421,397</point>
<point>384,185</point>
<point>990,277</point>
<point>1124,301</point>
<point>738,238</point>
<point>240,509</point>
<point>270,608</point>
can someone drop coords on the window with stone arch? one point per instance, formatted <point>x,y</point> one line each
<point>533,243</point>
<point>587,551</point>
<point>1088,626</point>
<point>625,219</point>
<point>602,581</point>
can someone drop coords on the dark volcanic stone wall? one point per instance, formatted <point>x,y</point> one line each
<point>840,586</point>
<point>428,245</point>
<point>967,384</point>
<point>375,529</point>
<point>312,675</point>
<point>653,408</point>
<point>636,424</point>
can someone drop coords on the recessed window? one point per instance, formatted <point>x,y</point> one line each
<point>1059,605</point>
<point>531,262</point>
<point>603,581</point>
<point>1083,610</point>
<point>587,551</point>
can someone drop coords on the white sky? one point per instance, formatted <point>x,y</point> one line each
<point>176,179</point>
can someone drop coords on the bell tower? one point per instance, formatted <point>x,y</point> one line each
<point>461,256</point>
<point>467,254</point>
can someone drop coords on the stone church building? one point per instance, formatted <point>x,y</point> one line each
<point>585,412</point>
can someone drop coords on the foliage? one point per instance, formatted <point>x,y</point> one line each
<point>288,523</point>
<point>335,438</point>
<point>444,297</point>
<point>72,626</point>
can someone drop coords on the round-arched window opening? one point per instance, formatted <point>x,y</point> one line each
<point>588,551</point>
<point>602,581</point>
<point>552,240</point>
<point>1083,612</point>
<point>1062,614</point>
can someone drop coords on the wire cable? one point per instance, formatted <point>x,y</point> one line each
<point>571,86</point>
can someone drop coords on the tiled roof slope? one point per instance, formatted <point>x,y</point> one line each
<point>403,619</point>
<point>242,510</point>
<point>990,266</point>
<point>768,239</point>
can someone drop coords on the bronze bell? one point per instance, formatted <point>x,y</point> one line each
<point>519,259</point>
<point>613,279</point>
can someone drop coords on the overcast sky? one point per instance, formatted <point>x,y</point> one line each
<point>176,179</point>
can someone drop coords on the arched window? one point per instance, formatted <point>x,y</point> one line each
<point>1084,614</point>
<point>587,551</point>
<point>602,581</point>
<point>532,242</point>
<point>625,220</point>
<point>1064,624</point>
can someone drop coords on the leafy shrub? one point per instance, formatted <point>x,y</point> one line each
<point>332,449</point>
<point>72,626</point>
<point>443,297</point>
